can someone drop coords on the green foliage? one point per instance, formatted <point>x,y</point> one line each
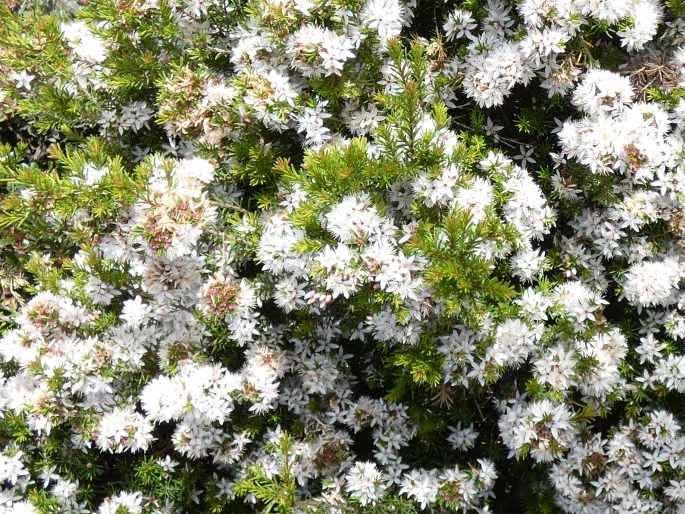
<point>44,204</point>
<point>276,494</point>
<point>458,276</point>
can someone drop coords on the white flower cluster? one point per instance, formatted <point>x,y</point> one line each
<point>497,60</point>
<point>86,45</point>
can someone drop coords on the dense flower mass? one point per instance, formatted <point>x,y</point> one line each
<point>347,256</point>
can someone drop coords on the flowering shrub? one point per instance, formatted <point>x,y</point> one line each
<point>374,256</point>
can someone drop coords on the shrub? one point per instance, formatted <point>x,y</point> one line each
<point>379,256</point>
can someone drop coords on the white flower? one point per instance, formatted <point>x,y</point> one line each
<point>83,42</point>
<point>577,300</point>
<point>363,120</point>
<point>514,341</point>
<point>130,502</point>
<point>386,17</point>
<point>164,399</point>
<point>556,367</point>
<point>123,429</point>
<point>528,264</point>
<point>525,156</point>
<point>365,483</point>
<point>492,129</point>
<point>653,282</point>
<point>462,438</point>
<point>311,122</point>
<point>135,311</point>
<point>22,79</point>
<point>93,174</point>
<point>330,51</point>
<point>194,168</point>
<point>646,17</point>
<point>460,23</point>
<point>602,91</point>
<point>421,485</point>
<point>354,219</point>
